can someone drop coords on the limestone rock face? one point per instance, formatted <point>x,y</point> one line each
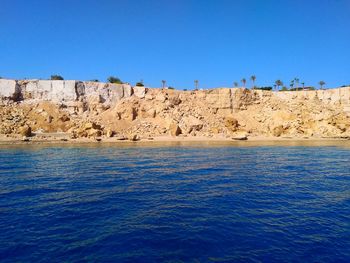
<point>219,98</point>
<point>9,89</point>
<point>109,94</point>
<point>68,105</point>
<point>56,91</point>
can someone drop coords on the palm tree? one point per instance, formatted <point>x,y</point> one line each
<point>296,83</point>
<point>291,84</point>
<point>303,83</point>
<point>196,84</point>
<point>253,78</point>
<point>278,84</point>
<point>163,83</point>
<point>235,84</point>
<point>244,81</point>
<point>321,83</point>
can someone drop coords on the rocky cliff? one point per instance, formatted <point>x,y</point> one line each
<point>93,109</point>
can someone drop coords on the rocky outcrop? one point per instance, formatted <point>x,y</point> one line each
<point>9,89</point>
<point>122,111</point>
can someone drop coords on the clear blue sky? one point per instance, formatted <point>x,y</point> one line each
<point>215,41</point>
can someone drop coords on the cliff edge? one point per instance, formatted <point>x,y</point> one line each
<point>94,109</point>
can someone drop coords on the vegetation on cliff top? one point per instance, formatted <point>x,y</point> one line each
<point>56,77</point>
<point>114,80</point>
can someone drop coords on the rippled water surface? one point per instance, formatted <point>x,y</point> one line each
<point>183,203</point>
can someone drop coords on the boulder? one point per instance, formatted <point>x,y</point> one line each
<point>240,137</point>
<point>134,137</point>
<point>174,129</point>
<point>64,118</point>
<point>192,124</point>
<point>91,125</point>
<point>25,131</point>
<point>94,133</point>
<point>231,123</point>
<point>139,92</point>
<point>174,100</point>
<point>278,131</point>
<point>127,113</point>
<point>109,133</point>
<point>160,97</point>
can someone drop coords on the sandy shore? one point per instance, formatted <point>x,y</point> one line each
<point>63,138</point>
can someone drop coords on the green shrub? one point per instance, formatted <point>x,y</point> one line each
<point>139,84</point>
<point>56,77</point>
<point>94,80</point>
<point>114,80</point>
<point>171,88</point>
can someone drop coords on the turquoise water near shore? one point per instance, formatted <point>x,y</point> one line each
<point>183,202</point>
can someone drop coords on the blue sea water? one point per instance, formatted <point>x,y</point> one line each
<point>175,203</point>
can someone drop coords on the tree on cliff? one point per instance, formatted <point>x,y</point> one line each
<point>296,80</point>
<point>321,83</point>
<point>253,78</point>
<point>56,77</point>
<point>235,84</point>
<point>163,83</point>
<point>278,84</point>
<point>291,84</point>
<point>196,84</point>
<point>114,80</point>
<point>244,81</point>
<point>139,84</point>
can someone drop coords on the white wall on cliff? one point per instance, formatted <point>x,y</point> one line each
<point>63,91</point>
<point>71,91</point>
<point>8,88</point>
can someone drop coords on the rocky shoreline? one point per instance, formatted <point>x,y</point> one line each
<point>32,110</point>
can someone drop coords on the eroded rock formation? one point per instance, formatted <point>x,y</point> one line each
<point>93,109</point>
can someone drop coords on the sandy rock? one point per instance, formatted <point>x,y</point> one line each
<point>174,129</point>
<point>94,133</point>
<point>25,131</point>
<point>240,137</point>
<point>109,133</point>
<point>160,97</point>
<point>139,91</point>
<point>231,124</point>
<point>148,97</point>
<point>278,131</point>
<point>192,124</point>
<point>134,137</point>
<point>174,100</point>
<point>92,125</point>
<point>64,118</point>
